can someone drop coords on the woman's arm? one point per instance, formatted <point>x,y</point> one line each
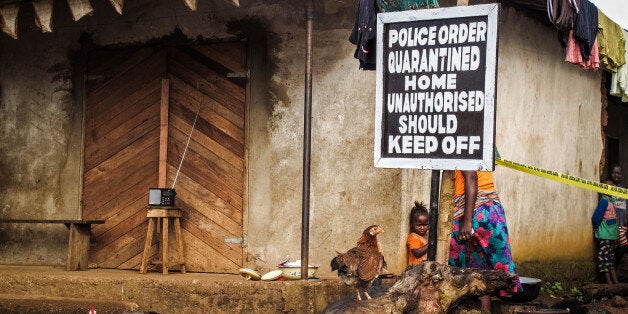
<point>471,194</point>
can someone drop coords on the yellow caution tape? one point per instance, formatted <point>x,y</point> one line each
<point>564,178</point>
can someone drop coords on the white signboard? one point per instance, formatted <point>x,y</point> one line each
<point>436,79</point>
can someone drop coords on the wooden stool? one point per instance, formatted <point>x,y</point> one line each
<point>153,215</point>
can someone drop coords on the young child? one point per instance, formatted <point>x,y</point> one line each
<point>417,239</point>
<point>606,229</point>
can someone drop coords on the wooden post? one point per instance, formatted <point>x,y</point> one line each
<point>446,204</point>
<point>163,132</point>
<point>78,246</point>
<point>445,216</point>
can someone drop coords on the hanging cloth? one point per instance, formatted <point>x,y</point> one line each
<point>365,28</point>
<point>363,34</point>
<point>403,5</point>
<point>574,55</point>
<point>611,42</point>
<point>619,80</point>
<point>585,29</point>
<point>563,13</point>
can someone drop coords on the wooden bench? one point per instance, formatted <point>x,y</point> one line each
<point>78,243</point>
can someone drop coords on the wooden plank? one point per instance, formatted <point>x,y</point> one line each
<point>233,227</point>
<point>184,61</point>
<point>195,162</point>
<point>121,112</point>
<point>211,235</point>
<point>109,176</point>
<point>232,55</point>
<point>124,254</point>
<point>127,158</point>
<point>136,260</point>
<point>163,213</point>
<point>196,253</point>
<point>104,65</point>
<point>225,166</point>
<point>116,90</point>
<point>163,131</point>
<point>123,136</point>
<point>100,111</point>
<point>120,212</point>
<point>207,84</point>
<point>209,130</point>
<point>192,192</point>
<point>114,233</point>
<point>209,143</point>
<point>95,198</point>
<point>78,246</point>
<point>105,253</point>
<point>215,119</point>
<point>53,221</point>
<point>232,195</point>
<point>137,192</point>
<point>182,87</point>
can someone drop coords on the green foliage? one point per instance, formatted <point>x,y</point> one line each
<point>578,294</point>
<point>552,288</point>
<point>556,289</point>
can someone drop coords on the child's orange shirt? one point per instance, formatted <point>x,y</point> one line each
<point>415,241</point>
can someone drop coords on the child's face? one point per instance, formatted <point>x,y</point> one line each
<point>420,225</point>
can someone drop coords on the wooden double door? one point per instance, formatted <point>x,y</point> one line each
<point>124,93</point>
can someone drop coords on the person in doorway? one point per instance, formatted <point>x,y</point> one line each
<point>615,178</point>
<point>417,239</point>
<point>480,235</point>
<point>606,233</point>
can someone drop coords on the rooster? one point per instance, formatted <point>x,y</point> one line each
<point>359,266</point>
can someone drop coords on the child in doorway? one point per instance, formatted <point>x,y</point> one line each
<point>417,239</point>
<point>606,230</point>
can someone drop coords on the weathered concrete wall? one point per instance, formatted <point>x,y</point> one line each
<point>548,115</point>
<point>540,98</point>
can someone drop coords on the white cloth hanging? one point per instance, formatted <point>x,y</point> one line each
<point>619,79</point>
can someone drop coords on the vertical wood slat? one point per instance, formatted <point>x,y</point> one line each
<point>163,132</point>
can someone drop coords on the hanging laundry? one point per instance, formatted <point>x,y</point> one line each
<point>363,34</point>
<point>364,31</point>
<point>563,13</point>
<point>403,5</point>
<point>611,43</point>
<point>619,80</point>
<point>585,29</point>
<point>574,55</point>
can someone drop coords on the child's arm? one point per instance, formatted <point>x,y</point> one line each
<point>420,251</point>
<point>598,214</point>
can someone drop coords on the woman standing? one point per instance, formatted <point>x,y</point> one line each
<point>480,236</point>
